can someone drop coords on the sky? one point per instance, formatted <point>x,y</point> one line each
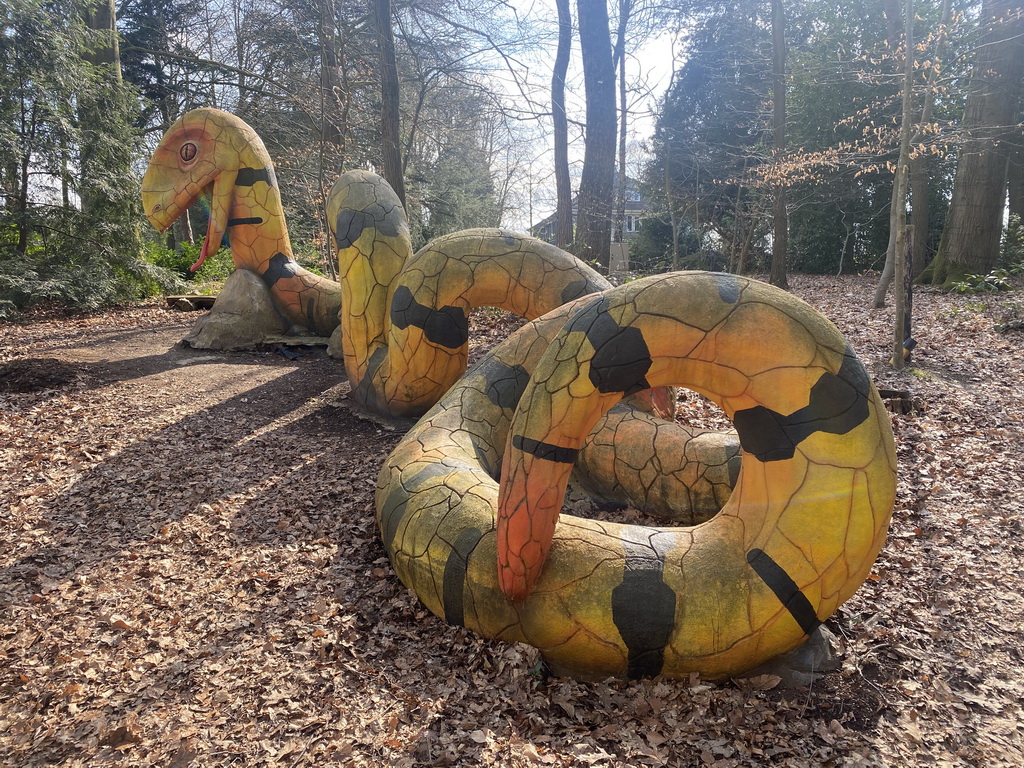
<point>649,68</point>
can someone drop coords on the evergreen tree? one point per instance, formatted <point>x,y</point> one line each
<point>70,215</point>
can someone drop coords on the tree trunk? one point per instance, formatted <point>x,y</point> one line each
<point>619,61</point>
<point>94,103</point>
<point>1015,177</point>
<point>331,130</point>
<point>24,179</point>
<point>893,22</point>
<point>594,217</point>
<point>780,217</point>
<point>1015,166</point>
<point>919,166</point>
<point>970,240</point>
<point>389,91</point>
<point>918,170</point>
<point>891,9</point>
<point>182,230</point>
<point>920,213</point>
<point>102,17</point>
<point>563,185</point>
<point>898,218</point>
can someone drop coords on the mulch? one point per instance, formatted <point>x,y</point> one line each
<point>190,574</point>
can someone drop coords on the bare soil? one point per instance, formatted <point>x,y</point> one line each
<point>190,574</point>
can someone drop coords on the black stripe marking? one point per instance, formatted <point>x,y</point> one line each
<point>280,266</point>
<point>837,404</point>
<point>310,316</point>
<point>366,393</point>
<point>249,176</point>
<point>447,326</point>
<point>505,383</point>
<point>621,356</point>
<point>728,287</point>
<point>455,575</point>
<point>545,451</point>
<point>789,594</point>
<point>396,505</point>
<point>250,220</point>
<point>349,225</point>
<point>644,609</point>
<point>575,289</point>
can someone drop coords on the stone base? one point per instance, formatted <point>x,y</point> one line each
<point>803,665</point>
<point>242,317</point>
<point>334,345</point>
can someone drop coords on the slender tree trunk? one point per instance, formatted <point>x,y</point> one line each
<point>563,184</point>
<point>918,181</point>
<point>594,218</point>
<point>94,103</point>
<point>619,60</point>
<point>1015,177</point>
<point>892,14</point>
<point>331,130</point>
<point>920,213</point>
<point>891,9</point>
<point>893,22</point>
<point>1015,142</point>
<point>29,130</point>
<point>66,178</point>
<point>970,240</point>
<point>183,229</point>
<point>389,91</point>
<point>898,218</point>
<point>780,217</point>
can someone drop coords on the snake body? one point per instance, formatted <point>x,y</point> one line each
<point>207,152</point>
<point>796,538</point>
<point>816,479</point>
<point>405,329</point>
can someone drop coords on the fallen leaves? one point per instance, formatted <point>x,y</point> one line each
<point>191,576</point>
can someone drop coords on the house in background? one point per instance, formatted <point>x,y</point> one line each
<point>635,209</point>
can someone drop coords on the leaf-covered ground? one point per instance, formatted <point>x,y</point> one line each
<point>190,575</point>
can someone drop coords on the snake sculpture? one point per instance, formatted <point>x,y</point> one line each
<point>213,154</point>
<point>576,386</point>
<point>798,535</point>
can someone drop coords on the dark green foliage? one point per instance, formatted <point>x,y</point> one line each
<point>179,261</point>
<point>651,250</point>
<point>712,165</point>
<point>155,53</point>
<point>70,219</point>
<point>449,183</point>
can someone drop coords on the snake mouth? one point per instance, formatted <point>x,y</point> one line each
<point>162,216</point>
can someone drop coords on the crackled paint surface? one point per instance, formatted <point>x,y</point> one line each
<point>405,329</point>
<point>805,485</point>
<point>211,153</point>
<point>798,535</point>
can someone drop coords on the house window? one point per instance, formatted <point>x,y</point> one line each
<point>632,223</point>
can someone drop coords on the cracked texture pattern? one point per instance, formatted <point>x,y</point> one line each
<point>794,540</point>
<point>405,329</point>
<point>211,153</point>
<point>816,479</point>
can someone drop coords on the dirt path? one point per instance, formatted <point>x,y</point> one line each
<point>190,575</point>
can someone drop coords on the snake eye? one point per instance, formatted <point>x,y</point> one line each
<point>188,152</point>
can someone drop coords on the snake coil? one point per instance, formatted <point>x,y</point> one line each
<point>796,538</point>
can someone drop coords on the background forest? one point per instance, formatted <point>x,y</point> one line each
<point>791,136</point>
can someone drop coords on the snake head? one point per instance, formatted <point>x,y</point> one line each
<point>200,156</point>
